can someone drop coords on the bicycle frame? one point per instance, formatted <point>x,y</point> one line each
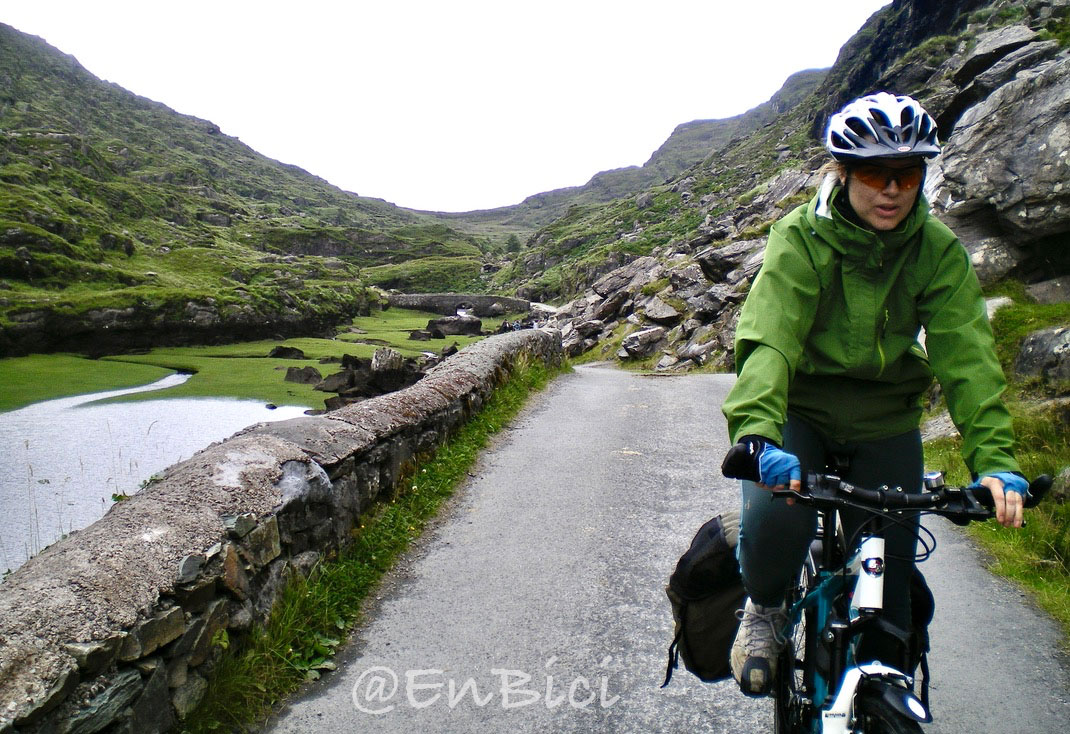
<point>832,695</point>
<point>826,699</point>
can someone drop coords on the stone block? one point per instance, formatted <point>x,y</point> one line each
<point>194,598</point>
<point>151,712</point>
<point>238,526</point>
<point>263,545</point>
<point>189,567</point>
<point>44,695</point>
<point>93,657</point>
<point>104,707</point>
<point>235,579</point>
<point>186,697</point>
<point>152,634</point>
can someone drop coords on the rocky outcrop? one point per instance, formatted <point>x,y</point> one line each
<point>1045,354</point>
<point>675,314</point>
<point>1005,172</point>
<point>1002,94</point>
<point>116,627</point>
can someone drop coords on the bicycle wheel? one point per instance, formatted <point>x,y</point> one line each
<point>792,710</point>
<point>876,716</point>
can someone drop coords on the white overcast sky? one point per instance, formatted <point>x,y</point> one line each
<point>449,105</point>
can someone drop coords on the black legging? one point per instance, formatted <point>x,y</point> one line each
<point>775,536</point>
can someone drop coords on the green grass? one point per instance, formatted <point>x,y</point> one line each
<point>314,613</point>
<point>26,380</point>
<point>1038,555</point>
<point>241,370</point>
<point>255,378</point>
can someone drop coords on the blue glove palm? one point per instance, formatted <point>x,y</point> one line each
<point>776,466</point>
<point>760,460</point>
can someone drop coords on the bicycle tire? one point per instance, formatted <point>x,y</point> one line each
<point>876,716</point>
<point>790,711</point>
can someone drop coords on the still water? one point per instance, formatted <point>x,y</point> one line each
<point>62,460</point>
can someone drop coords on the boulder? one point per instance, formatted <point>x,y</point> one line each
<point>589,327</point>
<point>1008,154</point>
<point>337,382</point>
<point>644,342</point>
<point>613,305</point>
<point>386,359</point>
<point>688,281</point>
<point>456,326</point>
<point>1045,354</point>
<point>657,310</point>
<point>353,362</point>
<point>303,375</point>
<point>993,258</point>
<point>632,276</point>
<point>718,262</point>
<point>667,361</point>
<point>644,200</point>
<point>281,352</point>
<point>1051,291</point>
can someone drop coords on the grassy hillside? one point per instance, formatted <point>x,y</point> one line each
<point>113,201</point>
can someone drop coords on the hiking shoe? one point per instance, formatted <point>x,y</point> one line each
<point>758,642</point>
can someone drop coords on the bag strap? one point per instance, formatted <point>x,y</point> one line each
<point>674,647</point>
<point>925,682</point>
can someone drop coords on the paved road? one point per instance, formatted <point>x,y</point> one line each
<point>536,604</point>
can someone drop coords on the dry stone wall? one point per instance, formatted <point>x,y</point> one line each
<point>112,628</point>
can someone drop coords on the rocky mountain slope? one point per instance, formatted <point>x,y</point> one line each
<point>657,278</point>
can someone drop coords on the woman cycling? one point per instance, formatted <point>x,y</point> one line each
<point>829,363</point>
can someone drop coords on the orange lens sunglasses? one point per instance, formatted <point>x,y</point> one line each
<point>878,177</point>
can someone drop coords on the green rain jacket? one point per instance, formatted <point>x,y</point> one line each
<point>829,332</point>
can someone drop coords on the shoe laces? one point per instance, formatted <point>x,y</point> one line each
<point>753,616</point>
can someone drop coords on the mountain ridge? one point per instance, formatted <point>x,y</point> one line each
<point>688,143</point>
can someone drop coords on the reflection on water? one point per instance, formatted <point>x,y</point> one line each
<point>62,460</point>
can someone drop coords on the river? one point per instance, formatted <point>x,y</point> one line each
<point>61,461</point>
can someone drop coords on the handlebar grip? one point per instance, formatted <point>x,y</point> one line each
<point>1038,488</point>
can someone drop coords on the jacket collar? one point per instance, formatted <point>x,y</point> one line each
<point>851,239</point>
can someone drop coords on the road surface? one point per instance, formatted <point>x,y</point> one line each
<point>536,603</point>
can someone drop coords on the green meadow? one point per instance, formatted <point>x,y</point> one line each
<point>241,370</point>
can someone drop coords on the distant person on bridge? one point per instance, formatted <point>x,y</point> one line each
<point>829,363</point>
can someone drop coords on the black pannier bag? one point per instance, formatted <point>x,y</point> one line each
<point>705,591</point>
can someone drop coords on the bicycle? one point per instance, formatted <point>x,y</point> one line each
<point>820,687</point>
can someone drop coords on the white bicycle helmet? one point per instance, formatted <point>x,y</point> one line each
<point>882,125</point>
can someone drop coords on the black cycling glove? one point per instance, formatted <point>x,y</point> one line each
<point>760,460</point>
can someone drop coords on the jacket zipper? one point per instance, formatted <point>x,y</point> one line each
<point>880,337</point>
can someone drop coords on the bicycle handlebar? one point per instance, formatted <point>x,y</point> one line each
<point>959,504</point>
